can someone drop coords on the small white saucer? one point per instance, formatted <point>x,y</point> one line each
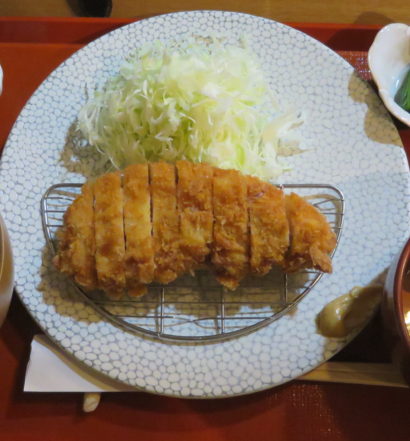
<point>389,60</point>
<point>6,271</point>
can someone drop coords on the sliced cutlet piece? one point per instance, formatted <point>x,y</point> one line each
<point>269,229</point>
<point>139,251</point>
<point>165,223</point>
<point>311,237</point>
<point>194,198</point>
<point>109,234</point>
<point>230,255</point>
<point>76,255</point>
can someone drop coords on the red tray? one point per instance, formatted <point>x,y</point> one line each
<point>30,48</point>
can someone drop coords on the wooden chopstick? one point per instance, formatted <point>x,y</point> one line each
<point>375,374</point>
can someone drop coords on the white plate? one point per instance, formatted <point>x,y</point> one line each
<point>351,143</point>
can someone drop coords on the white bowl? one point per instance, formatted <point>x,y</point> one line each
<point>389,60</point>
<point>6,271</point>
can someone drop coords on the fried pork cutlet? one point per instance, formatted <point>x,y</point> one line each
<point>230,254</point>
<point>312,239</point>
<point>161,221</point>
<point>139,251</point>
<point>165,223</point>
<point>109,234</point>
<point>194,195</point>
<point>269,229</point>
<point>77,245</point>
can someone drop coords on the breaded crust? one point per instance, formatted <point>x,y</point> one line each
<point>269,229</point>
<point>139,251</point>
<point>165,223</point>
<point>109,234</point>
<point>160,221</point>
<point>312,238</point>
<point>76,255</point>
<point>194,199</point>
<point>230,254</point>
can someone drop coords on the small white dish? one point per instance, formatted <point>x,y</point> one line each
<point>389,60</point>
<point>6,271</point>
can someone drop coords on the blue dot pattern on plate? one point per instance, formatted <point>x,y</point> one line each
<point>349,141</point>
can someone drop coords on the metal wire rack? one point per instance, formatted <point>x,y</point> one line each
<point>198,308</point>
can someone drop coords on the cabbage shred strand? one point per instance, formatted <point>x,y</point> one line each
<point>202,104</point>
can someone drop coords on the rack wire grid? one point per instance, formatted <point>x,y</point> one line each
<point>197,308</point>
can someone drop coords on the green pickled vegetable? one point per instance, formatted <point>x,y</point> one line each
<point>402,97</point>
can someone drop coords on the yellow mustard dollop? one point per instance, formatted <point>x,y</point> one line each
<point>349,311</point>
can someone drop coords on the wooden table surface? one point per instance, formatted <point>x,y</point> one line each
<point>316,11</point>
<point>295,411</point>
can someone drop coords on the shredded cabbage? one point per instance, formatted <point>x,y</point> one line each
<point>204,103</point>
